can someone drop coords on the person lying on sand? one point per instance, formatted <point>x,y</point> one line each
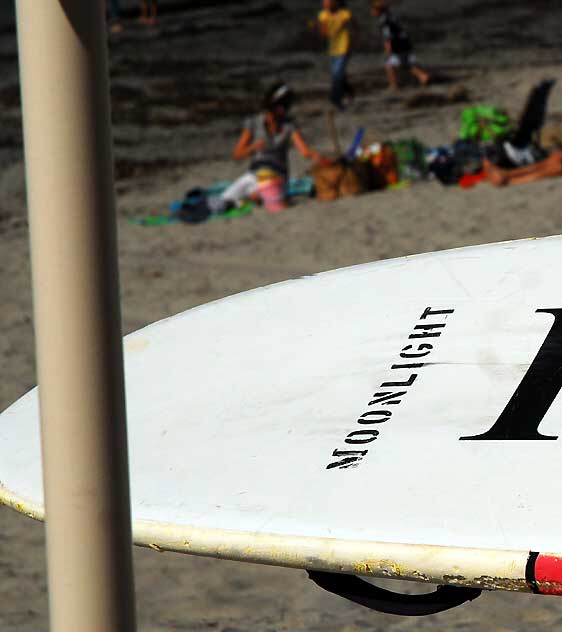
<point>266,139</point>
<point>397,46</point>
<point>518,149</point>
<point>547,168</point>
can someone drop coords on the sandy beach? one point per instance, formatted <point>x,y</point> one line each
<point>180,91</point>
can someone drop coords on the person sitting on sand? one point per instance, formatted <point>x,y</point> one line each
<point>397,46</point>
<point>266,139</point>
<point>335,23</point>
<point>547,168</point>
<point>148,12</point>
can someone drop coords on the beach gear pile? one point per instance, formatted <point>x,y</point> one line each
<point>485,132</point>
<point>371,167</point>
<point>482,130</point>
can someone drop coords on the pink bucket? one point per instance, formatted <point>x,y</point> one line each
<point>272,194</point>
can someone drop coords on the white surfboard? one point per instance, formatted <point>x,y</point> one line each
<point>398,419</point>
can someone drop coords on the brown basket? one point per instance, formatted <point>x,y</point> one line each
<point>337,180</point>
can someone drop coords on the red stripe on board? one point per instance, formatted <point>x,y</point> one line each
<point>548,574</point>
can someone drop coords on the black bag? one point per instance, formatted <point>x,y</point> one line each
<point>194,208</point>
<point>464,157</point>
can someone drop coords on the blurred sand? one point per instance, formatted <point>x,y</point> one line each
<point>179,93</point>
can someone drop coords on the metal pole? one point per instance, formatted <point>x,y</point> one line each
<point>63,63</point>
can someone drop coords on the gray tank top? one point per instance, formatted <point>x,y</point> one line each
<point>275,154</point>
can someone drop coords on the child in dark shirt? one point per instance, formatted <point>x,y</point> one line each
<point>397,46</point>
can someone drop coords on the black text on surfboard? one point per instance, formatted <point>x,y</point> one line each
<point>412,356</point>
<point>533,397</point>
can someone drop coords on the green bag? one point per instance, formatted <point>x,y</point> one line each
<point>484,123</point>
<point>410,158</point>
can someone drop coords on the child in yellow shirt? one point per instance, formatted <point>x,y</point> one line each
<point>335,23</point>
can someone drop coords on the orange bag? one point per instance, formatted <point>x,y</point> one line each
<point>385,163</point>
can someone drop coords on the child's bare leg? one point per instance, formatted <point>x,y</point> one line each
<point>420,75</point>
<point>392,77</point>
<point>553,164</point>
<point>502,177</point>
<point>548,168</point>
<point>494,174</point>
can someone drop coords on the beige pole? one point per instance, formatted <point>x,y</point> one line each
<point>63,63</point>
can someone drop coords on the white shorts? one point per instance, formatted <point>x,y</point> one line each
<point>397,60</point>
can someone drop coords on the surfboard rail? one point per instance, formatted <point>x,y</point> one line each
<point>487,569</point>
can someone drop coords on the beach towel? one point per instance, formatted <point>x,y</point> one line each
<point>172,218</point>
<point>297,186</point>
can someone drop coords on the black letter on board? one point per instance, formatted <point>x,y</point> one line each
<point>534,396</point>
